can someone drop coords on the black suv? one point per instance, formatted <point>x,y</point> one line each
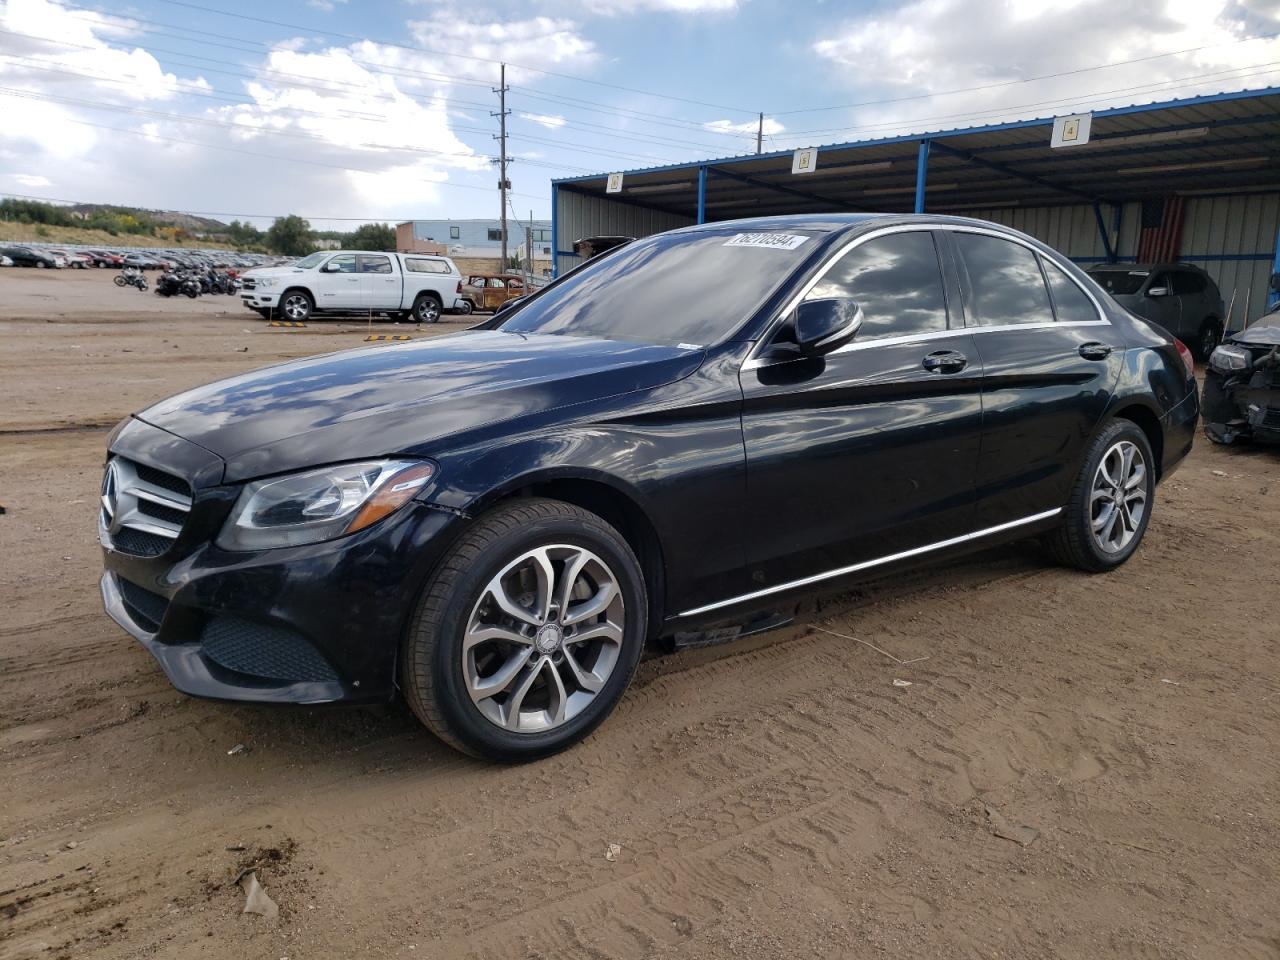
<point>1177,296</point>
<point>495,522</point>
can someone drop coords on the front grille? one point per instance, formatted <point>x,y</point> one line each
<point>248,283</point>
<point>146,608</point>
<point>143,509</point>
<point>261,650</point>
<point>1271,418</point>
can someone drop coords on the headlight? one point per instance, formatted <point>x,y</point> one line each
<point>1226,358</point>
<point>321,504</point>
<point>265,284</point>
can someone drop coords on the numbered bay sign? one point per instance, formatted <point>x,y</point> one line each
<point>1072,131</point>
<point>804,161</point>
<point>615,183</point>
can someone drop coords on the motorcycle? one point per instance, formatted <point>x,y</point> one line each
<point>175,284</point>
<point>130,277</point>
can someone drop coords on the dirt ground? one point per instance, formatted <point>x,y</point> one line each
<point>1081,767</point>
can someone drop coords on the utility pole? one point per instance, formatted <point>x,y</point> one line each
<point>503,183</point>
<point>760,135</point>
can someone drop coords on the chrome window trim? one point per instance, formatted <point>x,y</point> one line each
<point>754,361</point>
<point>868,564</point>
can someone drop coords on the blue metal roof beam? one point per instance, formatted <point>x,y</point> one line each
<point>779,188</point>
<point>936,135</point>
<point>1009,171</point>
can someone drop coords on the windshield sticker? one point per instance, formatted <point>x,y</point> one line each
<point>772,241</point>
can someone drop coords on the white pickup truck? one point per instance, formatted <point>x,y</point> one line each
<point>417,286</point>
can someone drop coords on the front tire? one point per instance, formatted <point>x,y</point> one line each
<point>528,633</point>
<point>296,305</point>
<point>1111,501</point>
<point>1207,340</point>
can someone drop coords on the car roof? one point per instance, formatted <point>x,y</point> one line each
<point>1146,266</point>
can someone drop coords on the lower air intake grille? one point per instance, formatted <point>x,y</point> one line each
<point>1271,419</point>
<point>146,608</point>
<point>265,651</point>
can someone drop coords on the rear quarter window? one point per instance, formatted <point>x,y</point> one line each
<point>425,265</point>
<point>1070,303</point>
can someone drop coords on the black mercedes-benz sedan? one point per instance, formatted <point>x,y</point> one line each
<point>686,433</point>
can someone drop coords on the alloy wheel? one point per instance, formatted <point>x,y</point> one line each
<point>1119,498</point>
<point>1208,340</point>
<point>295,307</point>
<point>543,638</point>
<point>428,311</point>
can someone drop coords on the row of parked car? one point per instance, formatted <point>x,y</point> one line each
<point>81,258</point>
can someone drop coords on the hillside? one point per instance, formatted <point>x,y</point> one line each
<point>52,236</point>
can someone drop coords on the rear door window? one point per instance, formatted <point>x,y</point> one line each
<point>1185,282</point>
<point>372,264</point>
<point>1070,303</point>
<point>896,280</point>
<point>1006,286</point>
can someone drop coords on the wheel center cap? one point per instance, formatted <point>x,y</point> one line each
<point>548,638</point>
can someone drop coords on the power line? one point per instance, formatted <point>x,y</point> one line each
<point>1043,76</point>
<point>429,101</point>
<point>447,53</point>
<point>272,156</point>
<point>1079,98</point>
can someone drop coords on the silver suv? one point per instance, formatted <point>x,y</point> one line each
<point>1177,296</point>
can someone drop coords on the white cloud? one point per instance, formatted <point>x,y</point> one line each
<point>551,42</point>
<point>328,6</point>
<point>31,180</point>
<point>551,122</point>
<point>771,127</point>
<point>54,49</point>
<point>662,6</point>
<point>932,46</point>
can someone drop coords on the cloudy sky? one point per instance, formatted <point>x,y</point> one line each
<point>381,109</point>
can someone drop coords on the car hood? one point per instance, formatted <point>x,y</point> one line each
<point>405,397</point>
<point>263,273</point>
<point>1262,334</point>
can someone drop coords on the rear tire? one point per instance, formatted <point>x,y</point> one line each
<point>426,309</point>
<point>1110,505</point>
<point>546,701</point>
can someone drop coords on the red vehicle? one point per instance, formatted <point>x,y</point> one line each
<point>105,258</point>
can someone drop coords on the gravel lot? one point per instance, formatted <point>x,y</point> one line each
<point>1082,767</point>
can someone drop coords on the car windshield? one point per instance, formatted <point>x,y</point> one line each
<point>689,288</point>
<point>306,263</point>
<point>1120,281</point>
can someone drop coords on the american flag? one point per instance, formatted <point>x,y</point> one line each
<point>1161,237</point>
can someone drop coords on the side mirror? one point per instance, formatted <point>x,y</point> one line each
<point>1158,292</point>
<point>823,325</point>
<point>332,267</point>
<point>1275,282</point>
<point>514,301</point>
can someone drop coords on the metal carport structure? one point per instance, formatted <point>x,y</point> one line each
<point>1196,179</point>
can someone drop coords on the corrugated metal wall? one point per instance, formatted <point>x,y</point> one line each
<point>578,216</point>
<point>1232,238</point>
<point>1231,228</point>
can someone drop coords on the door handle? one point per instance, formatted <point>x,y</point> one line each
<point>1094,350</point>
<point>945,361</point>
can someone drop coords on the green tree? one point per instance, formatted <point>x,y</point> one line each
<point>290,236</point>
<point>374,236</point>
<point>244,234</point>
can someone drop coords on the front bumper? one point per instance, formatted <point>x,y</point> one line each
<point>320,623</point>
<point>257,299</point>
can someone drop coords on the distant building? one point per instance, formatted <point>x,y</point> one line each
<point>476,245</point>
